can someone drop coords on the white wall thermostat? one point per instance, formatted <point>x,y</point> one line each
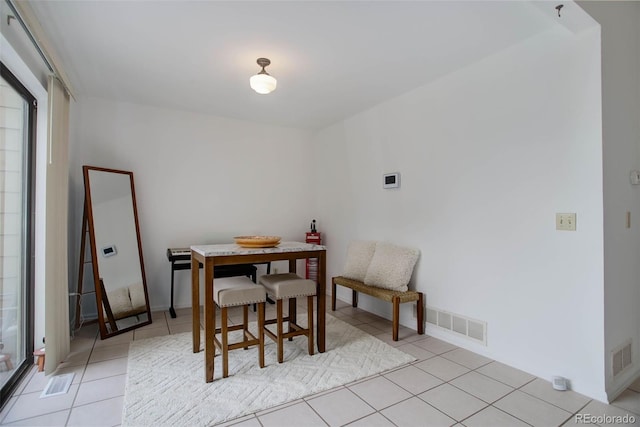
<point>391,180</point>
<point>108,251</point>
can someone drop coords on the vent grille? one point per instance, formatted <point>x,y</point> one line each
<point>457,324</point>
<point>621,358</point>
<point>58,384</point>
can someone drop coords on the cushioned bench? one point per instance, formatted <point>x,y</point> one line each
<point>383,271</point>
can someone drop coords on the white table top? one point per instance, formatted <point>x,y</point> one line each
<point>233,249</point>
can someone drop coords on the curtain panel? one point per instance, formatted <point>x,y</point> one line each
<point>57,336</point>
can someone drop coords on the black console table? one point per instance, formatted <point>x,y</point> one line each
<point>180,259</point>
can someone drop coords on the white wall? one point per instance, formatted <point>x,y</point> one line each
<point>199,179</point>
<point>487,156</point>
<point>620,23</point>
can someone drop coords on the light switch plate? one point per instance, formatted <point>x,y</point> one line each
<point>566,221</point>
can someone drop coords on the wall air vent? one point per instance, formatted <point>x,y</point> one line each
<point>621,358</point>
<point>457,324</point>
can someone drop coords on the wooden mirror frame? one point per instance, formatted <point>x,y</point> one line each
<point>102,303</point>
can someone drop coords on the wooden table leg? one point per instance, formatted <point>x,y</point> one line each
<point>322,302</point>
<point>195,303</point>
<point>209,320</point>
<point>293,308</point>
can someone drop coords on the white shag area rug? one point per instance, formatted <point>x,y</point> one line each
<point>166,386</point>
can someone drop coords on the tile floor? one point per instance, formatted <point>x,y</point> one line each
<point>445,386</point>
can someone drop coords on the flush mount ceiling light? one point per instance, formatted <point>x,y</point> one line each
<point>262,82</point>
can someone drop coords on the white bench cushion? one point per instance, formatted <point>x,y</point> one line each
<point>391,267</point>
<point>359,256</point>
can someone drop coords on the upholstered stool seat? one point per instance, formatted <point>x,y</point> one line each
<point>289,286</point>
<point>232,292</point>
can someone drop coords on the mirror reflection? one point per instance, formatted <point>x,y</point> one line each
<point>116,250</point>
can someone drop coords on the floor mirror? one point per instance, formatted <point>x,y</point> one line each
<point>110,224</point>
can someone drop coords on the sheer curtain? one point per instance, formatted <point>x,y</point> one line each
<point>57,203</point>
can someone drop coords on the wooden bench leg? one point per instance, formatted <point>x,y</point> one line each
<point>354,298</point>
<point>420,316</point>
<point>396,317</point>
<point>333,294</point>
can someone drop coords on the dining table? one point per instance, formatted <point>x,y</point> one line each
<point>211,256</point>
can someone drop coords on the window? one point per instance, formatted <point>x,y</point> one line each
<point>17,173</point>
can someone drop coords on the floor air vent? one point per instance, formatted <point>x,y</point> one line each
<point>621,358</point>
<point>460,325</point>
<point>58,384</point>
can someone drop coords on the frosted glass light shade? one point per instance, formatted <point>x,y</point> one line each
<point>263,83</point>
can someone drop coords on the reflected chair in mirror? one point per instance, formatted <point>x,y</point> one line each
<point>123,303</point>
<point>232,292</point>
<point>289,286</point>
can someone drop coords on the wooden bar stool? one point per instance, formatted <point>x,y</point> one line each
<point>238,291</point>
<point>289,286</point>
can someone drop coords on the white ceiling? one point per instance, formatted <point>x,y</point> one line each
<point>332,59</point>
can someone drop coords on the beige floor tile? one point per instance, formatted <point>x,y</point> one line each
<point>368,328</point>
<point>373,420</point>
<point>405,336</point>
<point>506,374</point>
<point>110,352</point>
<point>49,420</point>
<point>108,368</point>
<point>290,416</point>
<point>532,410</point>
<point>567,400</point>
<point>594,410</point>
<point>379,392</point>
<point>442,368</point>
<point>115,340</point>
<point>37,383</point>
<point>103,413</point>
<point>492,417</point>
<point>80,343</point>
<point>635,386</point>
<point>434,345</point>
<point>246,421</point>
<point>249,422</point>
<point>180,319</point>
<point>629,400</point>
<point>415,412</point>
<point>23,384</point>
<point>279,407</point>
<point>417,352</point>
<point>140,334</point>
<point>413,380</point>
<point>466,358</point>
<point>30,405</point>
<point>77,358</point>
<point>387,338</point>
<point>452,401</point>
<point>340,407</point>
<point>482,387</point>
<point>179,328</point>
<point>106,388</point>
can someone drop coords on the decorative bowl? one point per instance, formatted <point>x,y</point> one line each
<point>257,241</point>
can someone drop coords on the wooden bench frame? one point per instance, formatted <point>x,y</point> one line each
<point>394,297</point>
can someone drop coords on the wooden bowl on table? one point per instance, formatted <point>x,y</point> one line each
<point>257,241</point>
